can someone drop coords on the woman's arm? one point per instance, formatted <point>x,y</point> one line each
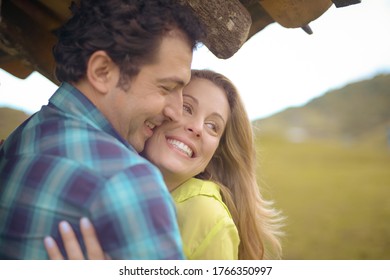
<point>72,246</point>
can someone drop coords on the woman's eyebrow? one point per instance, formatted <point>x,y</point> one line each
<point>193,98</point>
<point>219,116</point>
<point>197,102</point>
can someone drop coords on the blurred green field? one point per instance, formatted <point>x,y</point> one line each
<point>336,197</point>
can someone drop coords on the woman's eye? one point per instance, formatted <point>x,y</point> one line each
<point>213,126</point>
<point>187,108</point>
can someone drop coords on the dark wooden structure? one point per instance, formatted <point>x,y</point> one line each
<point>26,26</point>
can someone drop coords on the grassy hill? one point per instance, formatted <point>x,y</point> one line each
<point>327,167</point>
<point>359,112</point>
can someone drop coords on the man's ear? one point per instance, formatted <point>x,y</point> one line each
<point>102,72</point>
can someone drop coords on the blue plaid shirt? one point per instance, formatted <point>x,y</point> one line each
<point>67,161</point>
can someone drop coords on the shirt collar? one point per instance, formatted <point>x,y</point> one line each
<point>71,101</point>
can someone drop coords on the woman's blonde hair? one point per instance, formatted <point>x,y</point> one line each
<point>233,167</point>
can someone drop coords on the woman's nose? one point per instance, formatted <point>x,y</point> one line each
<point>195,129</point>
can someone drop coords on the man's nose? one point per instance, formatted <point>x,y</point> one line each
<point>173,111</point>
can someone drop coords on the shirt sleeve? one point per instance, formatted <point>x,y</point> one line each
<point>135,217</point>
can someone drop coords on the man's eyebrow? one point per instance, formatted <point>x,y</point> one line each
<point>174,80</point>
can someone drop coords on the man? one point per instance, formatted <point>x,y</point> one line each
<point>123,65</point>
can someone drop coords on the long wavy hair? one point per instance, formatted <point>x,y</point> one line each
<point>233,168</point>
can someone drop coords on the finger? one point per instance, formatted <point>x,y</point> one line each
<point>72,246</point>
<point>52,249</point>
<point>94,250</point>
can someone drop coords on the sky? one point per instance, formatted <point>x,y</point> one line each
<point>278,67</point>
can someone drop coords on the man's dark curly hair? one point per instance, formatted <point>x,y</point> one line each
<point>130,31</point>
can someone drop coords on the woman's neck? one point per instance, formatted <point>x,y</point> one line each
<point>173,182</point>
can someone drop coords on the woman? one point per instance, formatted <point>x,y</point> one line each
<point>208,162</point>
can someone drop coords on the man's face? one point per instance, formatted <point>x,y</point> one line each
<point>154,95</point>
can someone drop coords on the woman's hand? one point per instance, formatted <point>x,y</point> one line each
<point>72,246</point>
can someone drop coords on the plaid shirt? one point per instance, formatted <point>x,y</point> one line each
<point>67,161</point>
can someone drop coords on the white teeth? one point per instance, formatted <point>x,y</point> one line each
<point>181,146</point>
<point>150,125</point>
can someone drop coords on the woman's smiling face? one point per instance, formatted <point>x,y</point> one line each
<point>184,148</point>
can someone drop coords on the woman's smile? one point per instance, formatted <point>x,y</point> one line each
<point>180,146</point>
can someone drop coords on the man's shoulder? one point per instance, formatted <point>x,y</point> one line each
<point>68,141</point>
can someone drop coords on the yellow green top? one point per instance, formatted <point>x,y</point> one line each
<point>205,223</point>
